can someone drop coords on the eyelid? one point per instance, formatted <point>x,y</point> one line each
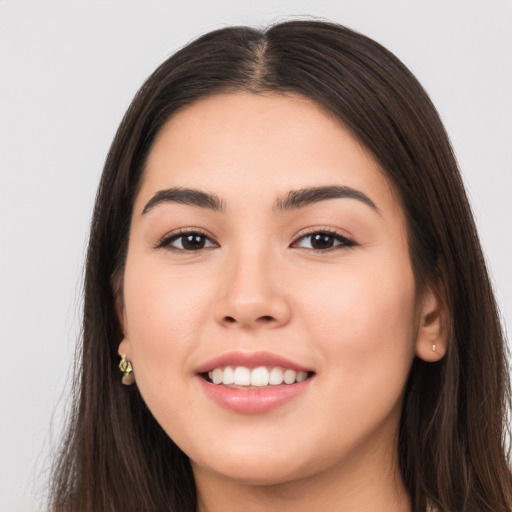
<point>346,241</point>
<point>168,238</point>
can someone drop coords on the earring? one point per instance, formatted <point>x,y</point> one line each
<point>126,367</point>
<point>433,348</point>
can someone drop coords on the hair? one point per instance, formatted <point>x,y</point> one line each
<point>453,435</point>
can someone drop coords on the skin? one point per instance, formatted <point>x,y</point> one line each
<point>353,314</point>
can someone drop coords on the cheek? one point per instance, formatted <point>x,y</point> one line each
<point>364,317</point>
<point>363,323</point>
<point>165,314</point>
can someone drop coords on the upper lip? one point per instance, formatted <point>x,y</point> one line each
<point>250,360</point>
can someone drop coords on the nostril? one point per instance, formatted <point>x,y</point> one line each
<point>261,321</point>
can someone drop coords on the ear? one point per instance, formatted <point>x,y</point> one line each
<point>124,348</point>
<point>434,326</point>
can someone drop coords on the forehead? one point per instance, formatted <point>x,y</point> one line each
<point>248,146</point>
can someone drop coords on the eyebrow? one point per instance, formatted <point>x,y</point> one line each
<point>290,201</point>
<point>188,196</point>
<point>306,196</point>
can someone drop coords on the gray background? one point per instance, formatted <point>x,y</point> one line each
<point>69,69</point>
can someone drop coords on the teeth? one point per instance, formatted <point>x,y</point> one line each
<point>276,376</point>
<point>217,375</point>
<point>242,376</point>
<point>257,377</point>
<point>229,375</point>
<point>301,376</point>
<point>288,377</point>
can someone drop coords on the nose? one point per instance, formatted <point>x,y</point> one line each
<point>252,294</point>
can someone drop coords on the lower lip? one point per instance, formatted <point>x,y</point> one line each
<point>253,401</point>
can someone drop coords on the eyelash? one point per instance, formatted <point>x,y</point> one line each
<point>343,242</point>
<point>168,239</point>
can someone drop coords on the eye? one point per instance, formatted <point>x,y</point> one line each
<point>323,241</point>
<point>186,241</point>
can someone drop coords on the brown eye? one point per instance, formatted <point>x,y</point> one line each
<point>323,241</point>
<point>192,242</point>
<point>187,242</point>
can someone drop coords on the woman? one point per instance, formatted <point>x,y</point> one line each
<point>284,258</point>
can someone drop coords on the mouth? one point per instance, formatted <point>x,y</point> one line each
<point>244,377</point>
<point>256,382</point>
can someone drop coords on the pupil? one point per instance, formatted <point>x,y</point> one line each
<point>193,242</point>
<point>322,241</point>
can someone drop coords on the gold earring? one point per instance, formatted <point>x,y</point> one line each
<point>126,367</point>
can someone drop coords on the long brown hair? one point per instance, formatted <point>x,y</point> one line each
<point>453,427</point>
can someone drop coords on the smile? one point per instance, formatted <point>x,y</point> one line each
<point>242,376</point>
<point>253,382</point>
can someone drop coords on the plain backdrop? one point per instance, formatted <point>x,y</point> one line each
<point>68,71</point>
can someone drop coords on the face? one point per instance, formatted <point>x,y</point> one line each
<point>267,244</point>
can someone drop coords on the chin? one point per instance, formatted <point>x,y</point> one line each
<point>257,472</point>
<point>258,465</point>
